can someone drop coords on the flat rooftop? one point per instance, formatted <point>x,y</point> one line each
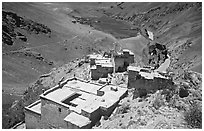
<point>77,119</point>
<point>134,68</point>
<point>107,65</point>
<point>60,94</point>
<point>83,86</point>
<point>35,107</point>
<point>112,95</point>
<point>95,56</point>
<point>86,102</point>
<point>156,74</point>
<point>112,90</point>
<point>80,95</point>
<point>147,75</point>
<point>103,61</point>
<point>92,104</point>
<point>130,52</point>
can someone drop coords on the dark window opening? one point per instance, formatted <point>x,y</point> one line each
<point>138,76</point>
<point>60,110</point>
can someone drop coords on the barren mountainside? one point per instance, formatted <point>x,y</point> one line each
<point>45,42</point>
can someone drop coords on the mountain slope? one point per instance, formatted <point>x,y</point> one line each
<point>173,25</point>
<point>28,52</point>
<point>61,32</point>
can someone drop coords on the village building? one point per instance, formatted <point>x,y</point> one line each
<point>123,60</point>
<point>74,104</point>
<point>101,66</point>
<point>146,79</point>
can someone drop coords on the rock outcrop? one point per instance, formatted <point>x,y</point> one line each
<point>11,22</point>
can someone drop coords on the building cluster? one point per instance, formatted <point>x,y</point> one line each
<point>73,104</point>
<point>76,103</point>
<point>102,65</point>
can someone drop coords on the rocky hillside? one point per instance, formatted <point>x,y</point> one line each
<point>11,21</point>
<point>169,108</point>
<point>175,25</point>
<point>37,38</point>
<point>15,114</point>
<point>41,38</point>
<point>176,107</point>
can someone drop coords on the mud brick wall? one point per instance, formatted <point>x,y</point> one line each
<point>93,116</point>
<point>33,120</point>
<point>53,114</point>
<point>100,72</point>
<point>135,80</point>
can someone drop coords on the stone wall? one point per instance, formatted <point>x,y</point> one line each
<point>135,80</point>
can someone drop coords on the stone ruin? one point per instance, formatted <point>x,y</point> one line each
<point>146,80</point>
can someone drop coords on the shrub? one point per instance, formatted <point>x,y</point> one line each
<point>183,92</point>
<point>193,116</point>
<point>123,109</point>
<point>158,102</point>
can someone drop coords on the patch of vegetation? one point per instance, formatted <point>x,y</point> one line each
<point>158,102</point>
<point>123,109</point>
<point>183,92</point>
